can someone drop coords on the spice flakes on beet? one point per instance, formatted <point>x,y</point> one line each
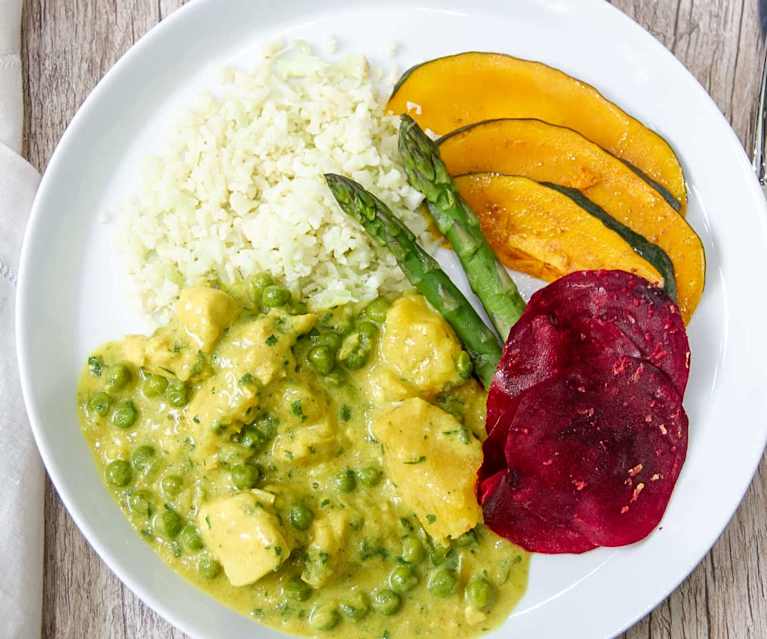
<point>587,433</point>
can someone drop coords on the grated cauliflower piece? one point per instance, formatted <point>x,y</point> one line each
<point>239,188</point>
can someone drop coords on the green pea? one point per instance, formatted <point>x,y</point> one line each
<point>403,579</point>
<point>190,538</point>
<point>442,582</point>
<point>177,393</point>
<point>367,328</point>
<point>143,457</point>
<point>274,296</point>
<point>412,550</point>
<point>155,385</point>
<point>125,414</point>
<point>296,589</point>
<point>169,523</point>
<point>298,308</point>
<point>346,481</point>
<point>257,285</point>
<point>301,517</point>
<point>117,377</point>
<point>171,485</point>
<point>268,426</point>
<point>230,454</point>
<point>480,593</point>
<point>100,403</point>
<point>464,366</point>
<point>438,554</point>
<point>377,309</point>
<point>386,601</point>
<point>330,339</point>
<point>355,607</point>
<point>355,350</point>
<point>140,503</point>
<point>208,567</point>
<point>119,473</point>
<point>253,437</point>
<point>369,476</point>
<point>322,359</point>
<point>356,359</point>
<point>324,617</point>
<point>245,476</point>
<point>262,280</point>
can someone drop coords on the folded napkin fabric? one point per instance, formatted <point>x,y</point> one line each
<point>21,475</point>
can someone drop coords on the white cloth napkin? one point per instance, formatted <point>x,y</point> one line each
<point>21,474</point>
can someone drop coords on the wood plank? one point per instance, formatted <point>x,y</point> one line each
<point>68,46</point>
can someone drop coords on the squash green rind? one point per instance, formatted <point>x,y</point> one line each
<point>546,232</point>
<point>548,153</point>
<point>653,253</point>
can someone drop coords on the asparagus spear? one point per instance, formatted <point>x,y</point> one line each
<point>487,277</point>
<point>422,270</point>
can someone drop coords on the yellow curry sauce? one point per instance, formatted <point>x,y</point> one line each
<point>313,472</point>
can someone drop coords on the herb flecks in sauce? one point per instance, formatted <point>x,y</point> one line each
<point>279,461</point>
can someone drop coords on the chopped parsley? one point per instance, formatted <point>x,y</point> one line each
<point>95,365</point>
<point>346,413</point>
<point>369,550</point>
<point>420,460</point>
<point>271,340</point>
<point>297,409</point>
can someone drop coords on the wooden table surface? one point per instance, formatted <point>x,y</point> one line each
<point>70,44</point>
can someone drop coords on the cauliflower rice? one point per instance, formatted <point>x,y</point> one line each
<point>239,190</point>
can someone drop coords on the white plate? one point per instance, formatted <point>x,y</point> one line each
<point>72,294</point>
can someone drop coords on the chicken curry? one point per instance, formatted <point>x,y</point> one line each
<point>314,471</point>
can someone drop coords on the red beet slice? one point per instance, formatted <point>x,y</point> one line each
<point>642,311</point>
<point>538,350</point>
<point>535,350</point>
<point>592,456</point>
<point>509,508</point>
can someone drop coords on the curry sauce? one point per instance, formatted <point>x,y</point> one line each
<point>314,471</point>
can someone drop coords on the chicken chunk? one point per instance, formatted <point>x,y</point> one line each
<point>203,313</point>
<point>433,463</point>
<point>244,535</point>
<point>323,556</point>
<point>419,346</point>
<point>255,353</point>
<point>261,348</point>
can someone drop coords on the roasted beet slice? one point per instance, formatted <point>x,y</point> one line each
<point>506,504</point>
<point>642,311</point>
<point>592,458</point>
<point>586,430</point>
<point>538,350</point>
<point>535,350</point>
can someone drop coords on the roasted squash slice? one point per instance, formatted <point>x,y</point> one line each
<point>451,92</point>
<point>541,231</point>
<point>548,153</point>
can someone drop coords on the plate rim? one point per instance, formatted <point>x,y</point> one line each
<point>111,77</point>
